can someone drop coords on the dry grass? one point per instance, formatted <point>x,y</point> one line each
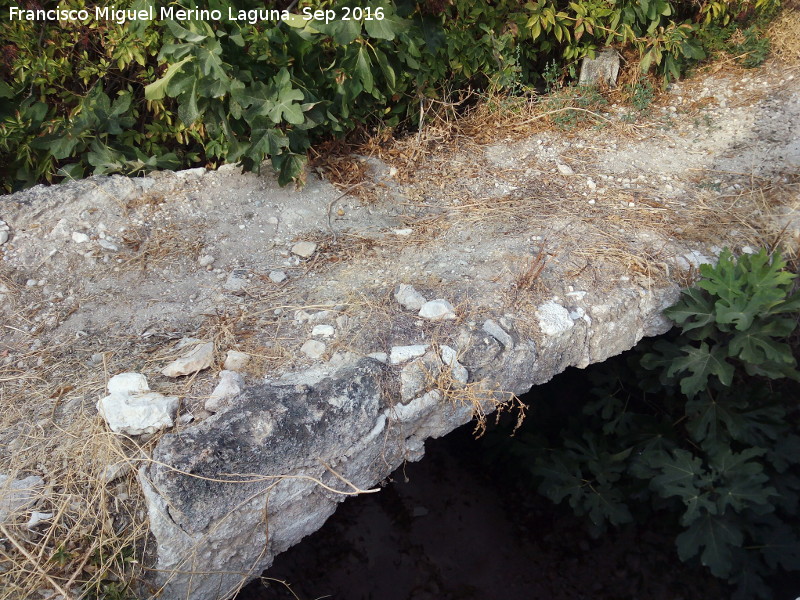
<point>783,34</point>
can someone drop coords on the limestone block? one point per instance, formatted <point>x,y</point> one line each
<point>601,70</point>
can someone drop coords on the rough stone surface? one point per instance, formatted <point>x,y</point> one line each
<point>408,297</point>
<point>400,354</point>
<point>437,310</point>
<point>198,358</point>
<point>230,384</point>
<point>235,360</point>
<point>603,69</point>
<point>304,249</point>
<point>18,494</point>
<point>313,348</point>
<point>132,409</point>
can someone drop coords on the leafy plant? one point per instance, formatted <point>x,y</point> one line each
<point>699,427</point>
<point>103,97</point>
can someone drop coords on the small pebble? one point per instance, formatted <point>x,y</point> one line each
<point>277,276</point>
<point>206,260</point>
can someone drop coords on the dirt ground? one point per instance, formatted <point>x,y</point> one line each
<point>498,214</point>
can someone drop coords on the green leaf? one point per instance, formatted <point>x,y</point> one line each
<point>182,33</point>
<point>289,166</point>
<point>388,27</point>
<point>706,416</point>
<point>695,310</point>
<point>717,537</point>
<point>266,139</point>
<point>187,110</point>
<point>157,90</point>
<point>702,363</point>
<point>757,346</point>
<point>363,69</point>
<point>781,547</point>
<point>740,481</point>
<point>386,69</point>
<point>343,32</point>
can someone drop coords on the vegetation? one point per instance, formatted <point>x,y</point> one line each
<point>698,429</point>
<point>97,96</point>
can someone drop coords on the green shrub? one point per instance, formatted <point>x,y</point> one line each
<point>100,97</point>
<point>698,429</point>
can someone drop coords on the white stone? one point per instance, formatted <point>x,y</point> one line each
<point>108,245</point>
<point>379,356</point>
<point>235,282</point>
<point>748,250</point>
<point>235,360</point>
<point>401,354</point>
<point>190,173</point>
<point>457,370</point>
<point>277,276</point>
<point>437,310</point>
<point>128,383</point>
<point>79,238</point>
<point>3,237</point>
<point>553,318</point>
<point>206,260</point>
<point>38,517</point>
<point>115,471</point>
<point>408,297</point>
<point>403,232</point>
<point>198,358</point>
<point>136,414</point>
<point>413,379</point>
<point>565,169</point>
<point>230,385</point>
<point>304,249</point>
<point>416,408</point>
<point>323,330</point>
<point>498,333</point>
<point>313,349</point>
<point>18,494</point>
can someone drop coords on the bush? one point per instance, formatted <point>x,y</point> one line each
<point>691,429</point>
<point>101,97</point>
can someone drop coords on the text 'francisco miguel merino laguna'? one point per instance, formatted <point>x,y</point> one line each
<point>121,16</point>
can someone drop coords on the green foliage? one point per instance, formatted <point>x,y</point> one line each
<point>700,427</point>
<point>100,97</point>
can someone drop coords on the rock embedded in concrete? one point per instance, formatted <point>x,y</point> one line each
<point>132,409</point>
<point>457,370</point>
<point>198,358</point>
<point>553,319</point>
<point>272,449</point>
<point>304,249</point>
<point>401,354</point>
<point>230,385</point>
<point>313,349</point>
<point>235,360</point>
<point>437,310</point>
<point>408,297</point>
<point>413,379</point>
<point>498,333</point>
